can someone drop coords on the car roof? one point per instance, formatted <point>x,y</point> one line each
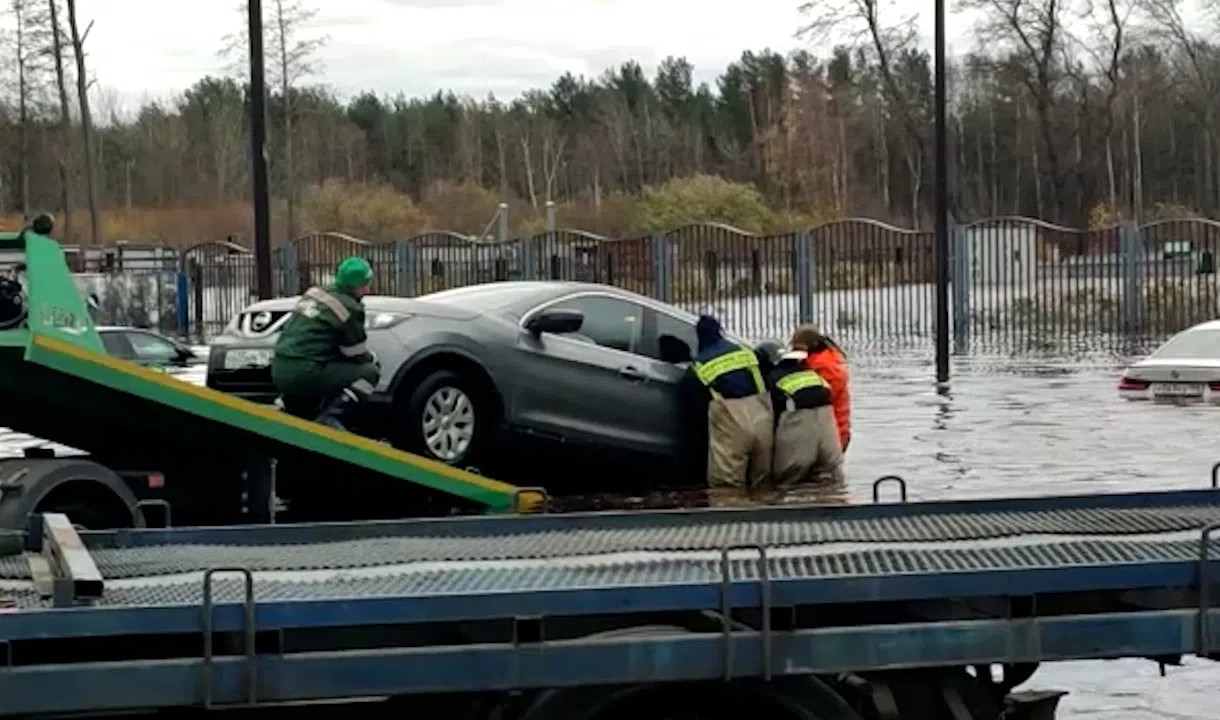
<point>507,296</point>
<point>483,296</point>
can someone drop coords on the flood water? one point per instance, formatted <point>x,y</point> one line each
<point>1021,428</point>
<point>1029,428</point>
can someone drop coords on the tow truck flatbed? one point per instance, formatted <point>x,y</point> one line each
<point>472,606</point>
<point>207,457</point>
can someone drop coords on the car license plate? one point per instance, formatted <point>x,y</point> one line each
<point>247,358</point>
<point>1177,389</point>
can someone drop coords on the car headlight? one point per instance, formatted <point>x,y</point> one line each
<point>383,320</point>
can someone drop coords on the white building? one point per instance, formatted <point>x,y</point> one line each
<point>1002,253</point>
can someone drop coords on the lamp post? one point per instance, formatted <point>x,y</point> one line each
<point>942,203</point>
<point>258,153</point>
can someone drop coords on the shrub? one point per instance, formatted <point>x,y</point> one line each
<point>701,198</point>
<point>368,211</point>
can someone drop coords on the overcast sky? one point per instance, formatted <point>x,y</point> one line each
<point>142,49</point>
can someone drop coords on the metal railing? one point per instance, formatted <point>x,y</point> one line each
<point>1019,285</point>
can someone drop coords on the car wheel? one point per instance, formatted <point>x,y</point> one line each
<point>450,419</point>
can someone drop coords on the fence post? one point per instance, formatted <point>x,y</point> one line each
<point>804,276</point>
<point>291,269</point>
<point>1130,259</point>
<point>525,257</point>
<point>961,277</point>
<point>182,303</point>
<point>404,268</point>
<point>550,216</point>
<point>502,217</point>
<point>195,274</point>
<point>662,268</point>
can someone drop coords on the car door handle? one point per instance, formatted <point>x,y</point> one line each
<point>631,373</point>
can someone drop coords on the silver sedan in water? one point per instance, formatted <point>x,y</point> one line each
<point>581,364</point>
<point>1186,368</point>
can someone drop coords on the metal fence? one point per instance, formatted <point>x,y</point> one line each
<point>1019,285</point>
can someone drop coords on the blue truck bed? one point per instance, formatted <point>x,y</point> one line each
<point>203,616</point>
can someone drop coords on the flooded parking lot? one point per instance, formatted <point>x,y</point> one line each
<point>1020,427</point>
<point>1041,428</point>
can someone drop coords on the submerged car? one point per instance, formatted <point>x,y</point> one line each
<point>583,364</point>
<point>1186,368</point>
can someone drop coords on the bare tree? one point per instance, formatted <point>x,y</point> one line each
<point>29,41</point>
<point>1195,61</point>
<point>880,26</point>
<point>65,116</point>
<point>294,58</point>
<point>86,122</point>
<point>1106,44</point>
<point>1034,29</point>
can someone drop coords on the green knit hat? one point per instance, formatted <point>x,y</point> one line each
<point>352,273</point>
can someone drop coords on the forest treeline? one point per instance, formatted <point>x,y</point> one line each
<point>1080,112</point>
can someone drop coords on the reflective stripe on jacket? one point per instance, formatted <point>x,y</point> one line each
<point>327,325</point>
<point>800,380</point>
<point>794,387</point>
<point>728,370</point>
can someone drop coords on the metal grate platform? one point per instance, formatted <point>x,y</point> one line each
<point>438,542</point>
<point>638,569</point>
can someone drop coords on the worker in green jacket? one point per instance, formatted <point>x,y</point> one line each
<point>321,360</point>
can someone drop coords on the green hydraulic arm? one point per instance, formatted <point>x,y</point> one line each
<point>58,335</point>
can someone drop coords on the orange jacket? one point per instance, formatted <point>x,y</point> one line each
<point>832,366</point>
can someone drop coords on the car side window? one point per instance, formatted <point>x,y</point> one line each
<point>116,345</point>
<point>609,322</point>
<point>152,349</point>
<point>670,339</point>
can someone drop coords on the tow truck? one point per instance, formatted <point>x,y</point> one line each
<point>883,611</point>
<point>165,451</point>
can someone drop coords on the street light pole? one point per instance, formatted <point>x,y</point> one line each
<point>258,153</point>
<point>942,204</point>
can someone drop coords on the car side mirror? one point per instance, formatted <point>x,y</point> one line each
<point>557,322</point>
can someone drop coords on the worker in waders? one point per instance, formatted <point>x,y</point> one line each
<point>322,367</point>
<point>807,448</point>
<point>739,417</point>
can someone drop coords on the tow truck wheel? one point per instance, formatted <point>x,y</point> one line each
<point>87,508</point>
<point>935,694</point>
<point>449,419</point>
<point>789,698</point>
<point>786,698</point>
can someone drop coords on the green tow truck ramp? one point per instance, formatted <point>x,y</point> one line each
<point>209,455</point>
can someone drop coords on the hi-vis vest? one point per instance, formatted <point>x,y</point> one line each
<point>793,383</point>
<point>741,359</point>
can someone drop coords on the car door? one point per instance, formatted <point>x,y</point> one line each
<point>586,386</point>
<point>667,343</point>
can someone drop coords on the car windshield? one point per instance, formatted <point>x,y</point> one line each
<point>1191,345</point>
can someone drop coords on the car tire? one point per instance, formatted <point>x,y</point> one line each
<point>462,402</point>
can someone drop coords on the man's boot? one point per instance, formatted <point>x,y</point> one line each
<point>343,412</point>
